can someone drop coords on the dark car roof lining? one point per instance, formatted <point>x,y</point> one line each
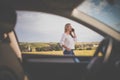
<point>47,5</point>
<point>58,7</point>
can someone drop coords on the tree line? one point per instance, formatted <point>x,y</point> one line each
<point>31,47</point>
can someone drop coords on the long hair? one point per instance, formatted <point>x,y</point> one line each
<point>66,26</point>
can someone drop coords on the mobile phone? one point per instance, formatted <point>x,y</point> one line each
<point>73,30</point>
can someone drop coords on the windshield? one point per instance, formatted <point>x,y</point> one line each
<point>106,11</point>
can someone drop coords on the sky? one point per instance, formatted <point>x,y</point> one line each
<point>43,27</point>
<point>103,11</point>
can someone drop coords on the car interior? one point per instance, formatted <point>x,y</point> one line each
<point>17,66</point>
<point>10,65</point>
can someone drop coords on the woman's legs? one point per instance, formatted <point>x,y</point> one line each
<point>68,52</point>
<point>72,54</point>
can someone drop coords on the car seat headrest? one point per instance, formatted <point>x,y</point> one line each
<point>7,17</point>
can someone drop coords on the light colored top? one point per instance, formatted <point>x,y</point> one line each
<point>68,41</point>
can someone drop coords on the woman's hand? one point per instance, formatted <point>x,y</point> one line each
<point>68,49</point>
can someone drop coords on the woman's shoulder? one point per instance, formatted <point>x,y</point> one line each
<point>64,34</point>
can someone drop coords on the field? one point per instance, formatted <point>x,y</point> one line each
<point>60,53</point>
<point>54,48</point>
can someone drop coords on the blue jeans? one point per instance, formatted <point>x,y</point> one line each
<point>76,60</point>
<point>68,52</point>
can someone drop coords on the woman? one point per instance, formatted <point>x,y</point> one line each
<point>68,40</point>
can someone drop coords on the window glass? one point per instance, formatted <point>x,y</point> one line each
<point>106,11</point>
<point>40,33</point>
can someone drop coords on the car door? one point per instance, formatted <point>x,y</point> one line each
<point>38,37</point>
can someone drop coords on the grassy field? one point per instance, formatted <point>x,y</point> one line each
<point>77,52</point>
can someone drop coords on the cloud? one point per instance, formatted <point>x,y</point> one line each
<point>90,7</point>
<point>42,27</point>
